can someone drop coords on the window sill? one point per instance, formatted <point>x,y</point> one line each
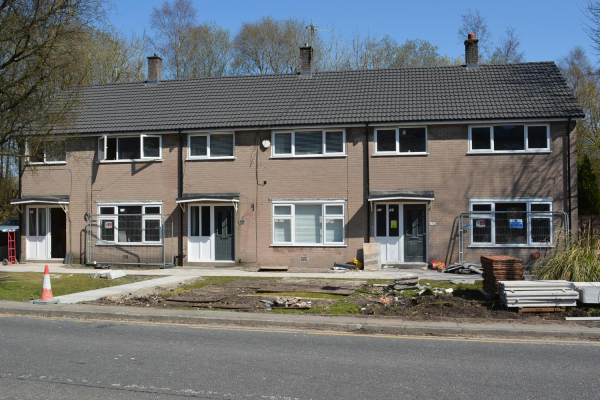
<point>400,154</point>
<point>307,245</point>
<point>522,246</point>
<point>469,153</point>
<point>114,244</point>
<point>47,163</point>
<point>209,158</point>
<point>312,156</point>
<point>141,160</point>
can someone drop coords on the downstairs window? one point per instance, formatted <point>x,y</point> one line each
<point>308,224</point>
<point>132,224</point>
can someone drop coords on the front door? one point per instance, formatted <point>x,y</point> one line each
<point>387,231</point>
<point>224,233</point>
<point>414,232</point>
<point>58,233</point>
<point>37,233</point>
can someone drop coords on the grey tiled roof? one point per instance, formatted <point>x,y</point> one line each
<point>528,90</point>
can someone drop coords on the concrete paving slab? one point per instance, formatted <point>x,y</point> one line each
<point>206,272</point>
<point>138,288</point>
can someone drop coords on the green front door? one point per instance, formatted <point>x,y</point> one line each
<point>414,232</point>
<point>224,241</point>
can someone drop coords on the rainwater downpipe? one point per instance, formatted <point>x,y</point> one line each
<point>569,168</point>
<point>179,195</point>
<point>368,183</point>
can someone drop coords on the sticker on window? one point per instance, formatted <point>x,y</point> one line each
<point>108,224</point>
<point>516,224</point>
<point>393,224</point>
<point>480,223</point>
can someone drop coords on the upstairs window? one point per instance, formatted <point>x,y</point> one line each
<point>47,152</point>
<point>129,148</point>
<point>309,143</point>
<point>401,141</point>
<point>509,138</point>
<point>211,145</point>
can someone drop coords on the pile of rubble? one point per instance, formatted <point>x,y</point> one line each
<point>408,282</point>
<point>287,302</point>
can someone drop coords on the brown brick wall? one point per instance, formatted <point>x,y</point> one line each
<point>448,170</point>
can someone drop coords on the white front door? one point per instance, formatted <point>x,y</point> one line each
<point>387,231</point>
<point>201,233</point>
<point>38,233</point>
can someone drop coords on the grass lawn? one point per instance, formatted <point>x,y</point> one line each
<point>22,286</point>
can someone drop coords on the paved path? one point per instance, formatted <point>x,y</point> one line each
<point>382,274</point>
<point>350,323</point>
<point>135,288</point>
<point>59,359</point>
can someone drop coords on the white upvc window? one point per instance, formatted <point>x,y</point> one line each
<point>130,223</point>
<point>401,141</point>
<point>309,143</point>
<point>511,222</point>
<point>51,151</point>
<point>509,138</point>
<point>214,145</point>
<point>309,223</point>
<point>129,148</point>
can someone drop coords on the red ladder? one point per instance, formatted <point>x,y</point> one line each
<point>12,249</point>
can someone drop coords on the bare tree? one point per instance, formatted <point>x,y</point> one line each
<point>584,81</point>
<point>207,52</point>
<point>172,23</point>
<point>592,27</point>
<point>507,51</point>
<point>269,46</point>
<point>474,22</point>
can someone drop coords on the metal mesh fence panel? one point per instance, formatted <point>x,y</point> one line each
<point>527,235</point>
<point>130,239</point>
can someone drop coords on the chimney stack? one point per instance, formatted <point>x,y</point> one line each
<point>154,68</point>
<point>306,53</point>
<point>472,51</point>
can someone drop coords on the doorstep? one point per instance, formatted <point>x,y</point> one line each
<point>409,265</point>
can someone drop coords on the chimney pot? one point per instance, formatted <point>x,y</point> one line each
<point>154,68</point>
<point>472,51</point>
<point>306,53</point>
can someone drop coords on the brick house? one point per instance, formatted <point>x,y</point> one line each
<point>303,169</point>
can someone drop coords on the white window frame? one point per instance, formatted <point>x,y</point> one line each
<point>324,217</point>
<point>115,218</point>
<point>398,151</point>
<point>491,215</point>
<point>103,143</point>
<point>208,155</point>
<point>547,149</point>
<point>324,152</point>
<point>46,154</point>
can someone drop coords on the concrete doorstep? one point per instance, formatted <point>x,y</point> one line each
<point>357,324</point>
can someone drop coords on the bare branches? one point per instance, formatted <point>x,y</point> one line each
<point>474,22</point>
<point>507,51</point>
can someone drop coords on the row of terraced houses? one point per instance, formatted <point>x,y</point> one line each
<point>303,169</point>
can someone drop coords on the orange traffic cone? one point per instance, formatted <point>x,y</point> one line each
<point>47,297</point>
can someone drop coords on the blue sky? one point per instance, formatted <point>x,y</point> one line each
<point>547,29</point>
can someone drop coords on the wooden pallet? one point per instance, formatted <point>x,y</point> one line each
<point>540,309</point>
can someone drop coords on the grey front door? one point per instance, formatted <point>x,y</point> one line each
<point>414,232</point>
<point>224,233</point>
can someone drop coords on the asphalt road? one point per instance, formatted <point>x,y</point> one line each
<point>65,359</point>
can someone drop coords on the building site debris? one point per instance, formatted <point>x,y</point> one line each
<point>595,319</point>
<point>108,275</point>
<point>500,268</point>
<point>538,294</point>
<point>290,302</point>
<point>406,282</point>
<point>589,292</point>
<point>272,268</point>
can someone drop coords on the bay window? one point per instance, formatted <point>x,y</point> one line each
<point>130,223</point>
<point>511,223</point>
<point>308,223</point>
<point>509,138</point>
<point>129,148</point>
<point>309,143</point>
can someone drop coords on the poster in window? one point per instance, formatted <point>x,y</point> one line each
<point>108,224</point>
<point>516,224</point>
<point>480,223</point>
